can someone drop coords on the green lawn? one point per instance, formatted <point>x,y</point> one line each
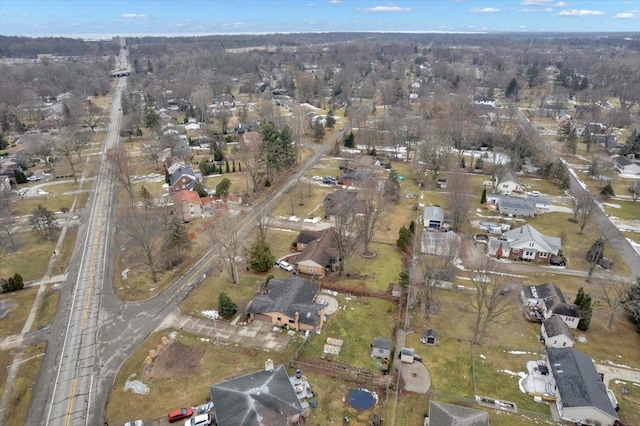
<point>22,300</point>
<point>623,209</point>
<point>363,319</point>
<point>385,268</point>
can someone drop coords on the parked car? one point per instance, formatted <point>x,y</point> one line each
<point>534,194</point>
<point>135,423</point>
<point>285,265</point>
<point>199,420</point>
<point>179,414</point>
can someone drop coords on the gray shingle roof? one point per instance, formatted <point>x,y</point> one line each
<point>555,326</point>
<point>577,381</point>
<point>289,296</point>
<point>527,233</point>
<point>261,398</point>
<point>442,414</point>
<point>382,343</point>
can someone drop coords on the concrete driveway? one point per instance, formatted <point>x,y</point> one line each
<point>257,333</point>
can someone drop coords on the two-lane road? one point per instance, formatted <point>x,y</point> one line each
<point>70,366</point>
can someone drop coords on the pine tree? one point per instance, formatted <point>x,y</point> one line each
<point>579,297</point>
<point>227,170</point>
<point>349,140</point>
<point>176,241</point>
<point>483,198</point>
<point>463,164</point>
<point>607,191</point>
<point>260,257</point>
<point>226,307</point>
<point>586,311</point>
<point>233,169</point>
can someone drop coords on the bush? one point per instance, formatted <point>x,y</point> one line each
<point>226,307</point>
<point>14,283</point>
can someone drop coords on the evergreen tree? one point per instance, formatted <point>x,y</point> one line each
<point>607,191</point>
<point>167,176</point>
<point>596,251</point>
<point>512,89</point>
<point>200,189</point>
<point>463,164</point>
<point>412,227</point>
<point>240,167</point>
<point>318,131</point>
<point>260,257</point>
<point>479,163</point>
<point>222,188</point>
<point>349,140</point>
<point>404,239</point>
<point>392,187</point>
<point>176,241</point>
<point>586,311</point>
<point>226,307</point>
<point>579,297</point>
<point>560,175</point>
<point>227,169</point>
<point>233,169</point>
<point>20,176</point>
<point>483,198</point>
<point>147,198</point>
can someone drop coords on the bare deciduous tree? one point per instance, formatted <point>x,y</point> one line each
<point>614,292</point>
<point>122,169</point>
<point>69,145</point>
<point>152,153</point>
<point>143,229</point>
<point>348,233</point>
<point>221,232</point>
<point>458,199</point>
<point>433,269</point>
<point>436,155</point>
<point>488,300</point>
<point>583,206</point>
<point>42,148</point>
<point>374,205</point>
<point>253,161</point>
<point>6,219</point>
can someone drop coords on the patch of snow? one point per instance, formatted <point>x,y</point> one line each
<point>522,353</point>
<point>511,373</point>
<point>582,339</point>
<point>615,206</point>
<point>482,356</point>
<point>618,365</point>
<point>211,314</point>
<point>619,382</point>
<point>136,386</point>
<point>124,274</point>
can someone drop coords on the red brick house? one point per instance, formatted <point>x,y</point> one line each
<point>317,255</point>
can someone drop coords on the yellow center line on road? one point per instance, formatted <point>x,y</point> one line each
<point>93,264</point>
<point>70,404</point>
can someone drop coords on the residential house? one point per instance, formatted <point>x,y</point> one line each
<point>318,255</point>
<point>305,237</point>
<point>507,183</point>
<point>525,243</point>
<point>381,348</point>
<point>355,177</point>
<point>187,204</point>
<point>556,333</point>
<point>581,396</point>
<point>183,178</point>
<point>289,302</point>
<point>625,166</point>
<point>516,206</point>
<point>443,414</point>
<point>251,140</point>
<point>433,217</point>
<point>545,300</point>
<point>341,195</point>
<point>262,398</point>
<point>440,278</point>
<point>441,243</point>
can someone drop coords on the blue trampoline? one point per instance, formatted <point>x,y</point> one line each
<point>362,399</point>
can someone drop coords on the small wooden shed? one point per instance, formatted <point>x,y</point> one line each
<point>381,348</point>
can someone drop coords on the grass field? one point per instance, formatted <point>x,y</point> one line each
<point>13,322</point>
<point>20,398</point>
<point>370,317</point>
<point>29,258</point>
<point>47,310</point>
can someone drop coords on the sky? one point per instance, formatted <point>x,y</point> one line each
<point>106,18</point>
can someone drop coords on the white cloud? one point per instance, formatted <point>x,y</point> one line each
<point>134,16</point>
<point>561,4</point>
<point>386,9</point>
<point>533,10</point>
<point>335,1</point>
<point>484,10</point>
<point>536,2</point>
<point>625,15</point>
<point>581,12</point>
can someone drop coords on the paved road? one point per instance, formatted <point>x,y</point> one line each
<point>65,391</point>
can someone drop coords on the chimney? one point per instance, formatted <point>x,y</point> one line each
<point>268,365</point>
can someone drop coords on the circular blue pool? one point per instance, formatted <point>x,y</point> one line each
<point>362,399</point>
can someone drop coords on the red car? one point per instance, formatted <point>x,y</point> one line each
<point>179,414</point>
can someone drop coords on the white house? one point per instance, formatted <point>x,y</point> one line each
<point>627,167</point>
<point>581,396</point>
<point>507,183</point>
<point>544,300</point>
<point>556,333</point>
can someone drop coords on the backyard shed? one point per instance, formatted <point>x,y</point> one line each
<point>381,348</point>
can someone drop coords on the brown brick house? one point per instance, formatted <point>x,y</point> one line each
<point>317,252</point>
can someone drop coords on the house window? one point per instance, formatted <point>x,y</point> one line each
<point>309,269</point>
<point>292,321</point>
<point>516,250</point>
<point>564,343</point>
<point>531,244</point>
<point>528,253</point>
<point>543,254</point>
<point>279,319</point>
<point>505,186</point>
